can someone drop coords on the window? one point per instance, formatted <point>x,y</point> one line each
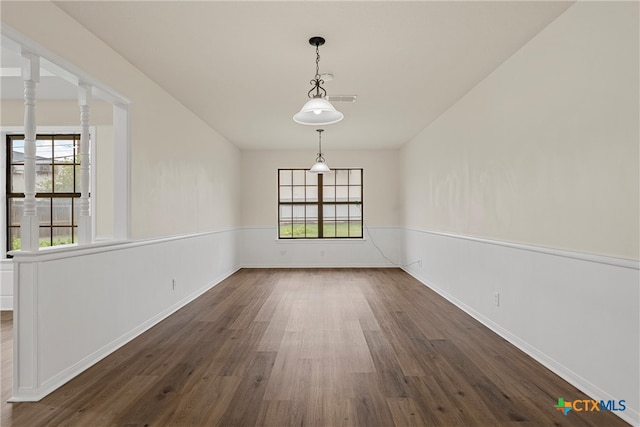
<point>57,188</point>
<point>316,206</point>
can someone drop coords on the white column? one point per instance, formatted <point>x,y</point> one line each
<point>84,219</point>
<point>121,172</point>
<point>29,230</point>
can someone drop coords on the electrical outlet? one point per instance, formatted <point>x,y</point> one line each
<point>173,283</point>
<point>496,299</point>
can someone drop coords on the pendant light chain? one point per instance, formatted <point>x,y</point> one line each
<point>317,62</point>
<point>317,80</point>
<point>320,157</point>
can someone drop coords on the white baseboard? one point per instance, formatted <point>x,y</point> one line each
<point>6,303</point>
<point>6,285</point>
<point>554,366</point>
<point>541,294</point>
<point>30,395</point>
<point>346,265</point>
<point>153,280</point>
<point>535,283</point>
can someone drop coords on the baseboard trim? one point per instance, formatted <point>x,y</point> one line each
<point>6,303</point>
<point>71,372</point>
<point>632,417</point>
<point>293,267</point>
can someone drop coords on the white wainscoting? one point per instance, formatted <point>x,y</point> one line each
<point>577,314</point>
<point>260,247</point>
<point>6,284</point>
<point>118,291</point>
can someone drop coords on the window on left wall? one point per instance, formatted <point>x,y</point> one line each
<point>57,188</point>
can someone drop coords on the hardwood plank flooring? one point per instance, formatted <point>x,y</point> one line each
<point>308,347</point>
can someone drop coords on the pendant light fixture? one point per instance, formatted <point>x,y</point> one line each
<point>317,110</point>
<point>320,166</point>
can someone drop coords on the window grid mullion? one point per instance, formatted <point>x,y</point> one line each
<point>52,194</point>
<point>348,207</point>
<point>321,203</point>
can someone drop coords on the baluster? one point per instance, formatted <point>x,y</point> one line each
<point>84,220</point>
<point>29,227</point>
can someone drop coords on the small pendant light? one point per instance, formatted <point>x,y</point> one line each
<point>317,110</point>
<point>320,166</point>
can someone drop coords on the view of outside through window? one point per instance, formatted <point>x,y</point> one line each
<point>320,205</point>
<point>57,188</point>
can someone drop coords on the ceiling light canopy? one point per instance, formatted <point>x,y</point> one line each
<point>317,110</point>
<point>320,166</point>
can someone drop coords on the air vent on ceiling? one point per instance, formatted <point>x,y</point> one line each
<point>342,98</point>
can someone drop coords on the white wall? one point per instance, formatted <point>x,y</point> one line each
<point>6,284</point>
<point>381,204</point>
<point>576,314</point>
<point>102,168</point>
<point>117,290</point>
<point>179,166</point>
<point>381,178</point>
<point>185,182</point>
<point>55,112</point>
<point>260,247</point>
<point>543,152</point>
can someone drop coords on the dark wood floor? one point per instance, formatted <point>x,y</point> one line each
<point>347,347</point>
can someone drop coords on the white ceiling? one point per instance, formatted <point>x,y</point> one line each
<point>244,67</point>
